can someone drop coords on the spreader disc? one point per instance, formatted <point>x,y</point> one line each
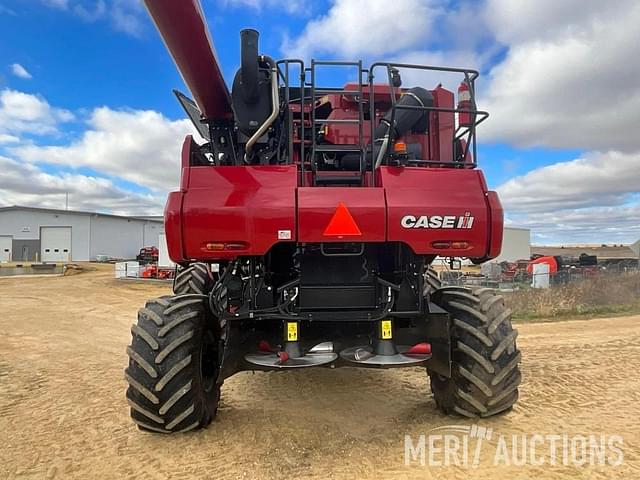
<point>364,356</point>
<point>271,360</point>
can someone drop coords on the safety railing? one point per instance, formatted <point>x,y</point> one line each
<point>466,132</point>
<point>284,71</point>
<point>478,116</point>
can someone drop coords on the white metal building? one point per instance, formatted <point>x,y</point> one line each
<point>516,245</point>
<point>48,235</point>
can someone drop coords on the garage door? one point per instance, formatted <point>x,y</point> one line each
<point>56,244</point>
<point>6,243</point>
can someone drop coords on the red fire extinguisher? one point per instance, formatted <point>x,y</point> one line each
<point>465,119</point>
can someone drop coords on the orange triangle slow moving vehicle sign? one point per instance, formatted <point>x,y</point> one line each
<point>342,223</point>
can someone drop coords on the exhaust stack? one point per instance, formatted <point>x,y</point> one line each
<point>249,68</point>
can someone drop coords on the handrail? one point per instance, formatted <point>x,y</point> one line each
<point>285,77</point>
<point>470,76</point>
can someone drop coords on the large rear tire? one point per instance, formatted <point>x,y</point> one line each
<point>173,365</point>
<point>485,374</point>
<point>432,281</point>
<point>196,278</point>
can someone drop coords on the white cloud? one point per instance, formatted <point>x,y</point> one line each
<point>354,28</point>
<point>91,13</point>
<point>429,78</point>
<point>24,112</point>
<point>568,79</point>
<point>289,6</point>
<point>124,15</point>
<point>589,199</point>
<point>139,146</point>
<point>595,179</point>
<point>617,224</point>
<point>25,184</point>
<point>5,138</point>
<point>20,72</point>
<point>519,21</point>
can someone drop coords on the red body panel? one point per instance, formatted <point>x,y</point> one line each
<point>173,226</point>
<point>241,205</point>
<point>185,154</point>
<point>255,207</point>
<point>497,225</point>
<point>184,31</point>
<point>317,206</point>
<point>439,192</point>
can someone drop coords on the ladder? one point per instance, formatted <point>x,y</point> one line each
<point>330,177</point>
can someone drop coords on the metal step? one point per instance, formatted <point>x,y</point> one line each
<point>324,91</point>
<point>337,120</point>
<point>322,178</point>
<point>335,147</point>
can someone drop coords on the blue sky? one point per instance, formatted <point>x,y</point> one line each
<point>86,103</point>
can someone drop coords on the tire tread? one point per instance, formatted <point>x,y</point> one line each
<point>165,393</point>
<point>485,370</point>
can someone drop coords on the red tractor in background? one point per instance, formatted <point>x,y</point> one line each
<point>148,255</point>
<point>305,226</point>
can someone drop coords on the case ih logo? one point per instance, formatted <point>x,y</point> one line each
<point>438,221</point>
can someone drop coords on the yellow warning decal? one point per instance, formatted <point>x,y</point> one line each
<point>292,331</point>
<point>386,329</point>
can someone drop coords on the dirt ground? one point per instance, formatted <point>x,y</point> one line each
<point>63,412</point>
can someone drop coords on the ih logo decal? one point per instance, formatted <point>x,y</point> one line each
<point>342,223</point>
<point>438,221</point>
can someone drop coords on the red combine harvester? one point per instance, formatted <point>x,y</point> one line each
<point>304,228</point>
